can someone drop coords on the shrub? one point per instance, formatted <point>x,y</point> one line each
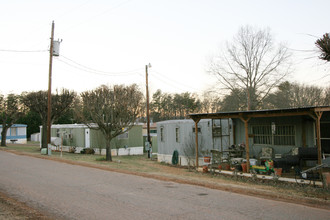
<point>87,151</point>
<point>72,149</point>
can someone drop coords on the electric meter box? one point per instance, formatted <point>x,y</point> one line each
<point>56,48</point>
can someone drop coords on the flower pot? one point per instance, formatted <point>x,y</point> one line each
<point>205,169</point>
<point>220,167</point>
<point>278,171</point>
<point>207,159</point>
<point>244,167</point>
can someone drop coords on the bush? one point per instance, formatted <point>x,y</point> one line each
<point>72,149</point>
<point>87,151</point>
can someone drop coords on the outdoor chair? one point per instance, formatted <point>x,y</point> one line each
<point>266,153</point>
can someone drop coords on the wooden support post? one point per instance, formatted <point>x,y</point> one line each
<point>247,147</point>
<point>318,136</point>
<point>304,133</point>
<point>196,138</point>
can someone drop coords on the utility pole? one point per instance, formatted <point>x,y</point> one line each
<point>50,85</point>
<point>148,118</point>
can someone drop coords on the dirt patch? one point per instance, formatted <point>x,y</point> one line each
<point>13,209</point>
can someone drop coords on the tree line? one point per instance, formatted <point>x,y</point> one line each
<point>252,71</point>
<point>166,106</point>
<point>106,108</point>
<point>31,107</point>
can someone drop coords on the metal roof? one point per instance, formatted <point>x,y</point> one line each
<point>16,126</point>
<point>179,121</point>
<point>263,113</point>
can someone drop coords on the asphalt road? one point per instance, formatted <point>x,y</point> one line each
<point>76,192</point>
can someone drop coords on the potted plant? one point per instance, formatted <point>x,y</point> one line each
<point>206,156</point>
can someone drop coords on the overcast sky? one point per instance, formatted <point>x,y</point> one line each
<point>111,41</point>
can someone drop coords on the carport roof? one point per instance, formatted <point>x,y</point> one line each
<point>309,111</point>
<point>315,112</point>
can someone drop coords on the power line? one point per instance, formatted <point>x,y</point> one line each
<point>87,69</point>
<point>23,51</point>
<point>97,15</point>
<point>169,81</point>
<point>310,35</point>
<point>320,78</point>
<point>172,85</point>
<point>99,71</point>
<point>73,9</point>
<point>299,50</point>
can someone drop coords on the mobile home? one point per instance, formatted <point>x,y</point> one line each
<point>80,136</point>
<point>16,134</point>
<point>180,135</point>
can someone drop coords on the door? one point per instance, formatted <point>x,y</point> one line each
<point>225,134</point>
<point>87,138</point>
<point>221,134</point>
<point>325,137</point>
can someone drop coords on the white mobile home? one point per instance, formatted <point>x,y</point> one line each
<point>79,137</point>
<point>180,135</point>
<point>16,134</point>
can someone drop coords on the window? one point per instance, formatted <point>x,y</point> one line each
<point>262,134</point>
<point>177,135</point>
<point>123,136</point>
<point>282,135</point>
<point>216,131</point>
<point>325,136</point>
<point>194,130</point>
<point>162,134</point>
<point>13,132</point>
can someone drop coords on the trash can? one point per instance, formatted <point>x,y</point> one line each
<point>49,149</point>
<point>43,151</point>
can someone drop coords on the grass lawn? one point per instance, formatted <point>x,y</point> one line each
<point>137,163</point>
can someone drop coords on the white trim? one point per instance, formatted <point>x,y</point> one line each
<point>87,138</point>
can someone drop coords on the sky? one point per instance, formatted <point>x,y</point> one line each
<point>111,41</point>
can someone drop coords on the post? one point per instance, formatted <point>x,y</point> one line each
<point>148,118</point>
<point>62,143</point>
<point>50,86</point>
<point>196,139</point>
<point>318,136</point>
<point>247,147</point>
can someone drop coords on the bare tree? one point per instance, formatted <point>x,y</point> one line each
<point>303,95</point>
<point>10,111</point>
<point>189,150</point>
<point>112,110</point>
<point>210,102</point>
<point>251,62</point>
<point>166,106</point>
<point>327,96</point>
<point>323,44</point>
<point>37,102</point>
<point>294,95</point>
